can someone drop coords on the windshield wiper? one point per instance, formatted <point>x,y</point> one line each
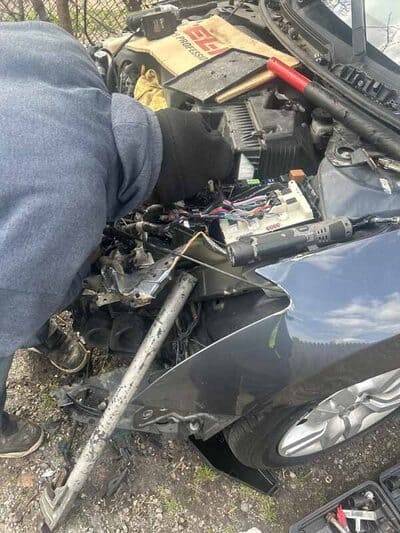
<point>359,30</point>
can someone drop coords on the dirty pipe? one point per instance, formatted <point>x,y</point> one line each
<point>56,504</point>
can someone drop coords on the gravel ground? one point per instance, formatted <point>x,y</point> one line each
<point>167,487</point>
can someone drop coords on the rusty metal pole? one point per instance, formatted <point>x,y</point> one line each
<point>56,504</point>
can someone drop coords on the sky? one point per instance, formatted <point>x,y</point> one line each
<point>383,23</point>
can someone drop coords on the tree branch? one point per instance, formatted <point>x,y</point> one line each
<point>9,12</point>
<point>64,15</point>
<point>40,10</point>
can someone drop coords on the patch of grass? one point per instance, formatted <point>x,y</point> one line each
<point>102,362</point>
<point>47,401</point>
<point>171,504</point>
<point>320,497</point>
<point>247,492</point>
<point>204,474</point>
<point>301,478</point>
<point>232,508</point>
<point>267,510</point>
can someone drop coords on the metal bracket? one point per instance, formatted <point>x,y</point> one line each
<point>141,286</point>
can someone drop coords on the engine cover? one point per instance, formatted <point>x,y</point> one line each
<point>273,140</point>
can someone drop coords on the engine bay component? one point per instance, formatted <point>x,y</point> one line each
<point>140,286</point>
<point>216,74</point>
<point>321,128</point>
<point>367,127</point>
<point>284,207</point>
<point>127,333</point>
<point>159,25</point>
<point>270,133</point>
<point>368,86</point>
<point>162,20</point>
<point>97,329</point>
<point>279,243</point>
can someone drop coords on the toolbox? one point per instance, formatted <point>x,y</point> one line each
<point>390,481</point>
<point>369,507</point>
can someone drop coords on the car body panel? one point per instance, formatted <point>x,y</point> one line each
<point>340,328</point>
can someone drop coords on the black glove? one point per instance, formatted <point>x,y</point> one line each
<point>192,155</point>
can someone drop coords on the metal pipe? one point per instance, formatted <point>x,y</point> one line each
<point>56,504</point>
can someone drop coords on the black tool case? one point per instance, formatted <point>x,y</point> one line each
<point>316,522</point>
<point>390,481</point>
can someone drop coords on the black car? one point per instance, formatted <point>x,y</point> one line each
<point>287,351</point>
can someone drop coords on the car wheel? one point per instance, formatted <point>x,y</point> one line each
<point>293,435</point>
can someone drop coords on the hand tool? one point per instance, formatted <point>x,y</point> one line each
<point>367,127</point>
<point>358,516</point>
<point>162,20</point>
<point>290,240</point>
<point>341,518</point>
<point>330,518</point>
<point>362,501</point>
<point>384,220</point>
<point>56,504</point>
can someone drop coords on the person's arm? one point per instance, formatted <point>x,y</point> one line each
<point>193,154</point>
<point>138,145</point>
<point>165,156</point>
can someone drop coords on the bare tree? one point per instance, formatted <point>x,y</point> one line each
<point>64,15</point>
<point>40,10</point>
<point>8,11</point>
<point>21,9</point>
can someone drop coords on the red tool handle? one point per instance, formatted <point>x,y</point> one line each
<point>288,74</point>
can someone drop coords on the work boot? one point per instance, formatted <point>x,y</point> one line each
<point>64,351</point>
<point>19,437</point>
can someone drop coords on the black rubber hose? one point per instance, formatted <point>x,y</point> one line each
<point>200,9</point>
<point>367,127</point>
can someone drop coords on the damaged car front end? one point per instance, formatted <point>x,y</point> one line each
<point>287,355</point>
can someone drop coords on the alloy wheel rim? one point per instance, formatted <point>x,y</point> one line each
<point>342,416</point>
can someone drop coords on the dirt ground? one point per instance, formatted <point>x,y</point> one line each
<point>167,487</point>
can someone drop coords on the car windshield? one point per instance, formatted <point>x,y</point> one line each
<point>382,22</point>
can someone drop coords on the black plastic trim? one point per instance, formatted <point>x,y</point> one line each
<point>341,88</point>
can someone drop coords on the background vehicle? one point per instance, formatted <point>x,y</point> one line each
<point>288,355</point>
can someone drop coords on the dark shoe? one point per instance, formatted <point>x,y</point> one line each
<point>65,352</point>
<point>19,437</point>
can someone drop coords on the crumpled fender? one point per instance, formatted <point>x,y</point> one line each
<point>341,327</point>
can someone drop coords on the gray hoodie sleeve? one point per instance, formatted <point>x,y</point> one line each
<point>136,131</point>
<point>72,157</point>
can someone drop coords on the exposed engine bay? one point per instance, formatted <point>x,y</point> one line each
<point>294,166</point>
<point>279,286</point>
<point>299,176</point>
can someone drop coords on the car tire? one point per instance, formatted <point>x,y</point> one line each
<point>254,439</point>
<point>291,435</point>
